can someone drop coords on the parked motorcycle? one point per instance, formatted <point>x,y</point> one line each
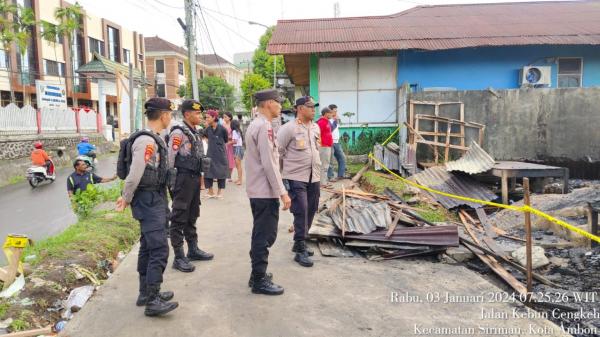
<point>38,174</point>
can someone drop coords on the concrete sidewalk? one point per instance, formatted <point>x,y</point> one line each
<point>337,297</point>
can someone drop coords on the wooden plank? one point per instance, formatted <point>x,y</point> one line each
<point>447,150</point>
<point>30,333</point>
<point>393,225</point>
<point>462,127</point>
<point>432,103</point>
<point>452,146</point>
<point>431,133</point>
<point>454,121</point>
<point>411,121</point>
<point>504,183</point>
<point>493,263</point>
<point>483,219</point>
<point>436,154</point>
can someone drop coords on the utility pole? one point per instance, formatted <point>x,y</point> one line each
<point>132,116</point>
<point>191,44</point>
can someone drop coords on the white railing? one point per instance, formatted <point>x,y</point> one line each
<point>58,120</point>
<point>15,120</point>
<point>88,120</point>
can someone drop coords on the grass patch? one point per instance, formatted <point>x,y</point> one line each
<point>101,234</point>
<point>377,182</point>
<point>3,309</point>
<point>353,169</point>
<point>15,179</point>
<point>21,323</point>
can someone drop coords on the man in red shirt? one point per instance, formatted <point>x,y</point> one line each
<point>39,157</point>
<point>326,143</point>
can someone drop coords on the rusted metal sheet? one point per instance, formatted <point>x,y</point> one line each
<point>474,161</point>
<point>439,179</point>
<point>445,27</point>
<point>429,236</point>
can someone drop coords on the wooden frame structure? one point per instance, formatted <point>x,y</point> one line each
<point>434,138</point>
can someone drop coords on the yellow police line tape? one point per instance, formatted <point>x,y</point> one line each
<point>524,208</point>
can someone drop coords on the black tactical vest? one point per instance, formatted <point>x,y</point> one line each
<point>193,162</point>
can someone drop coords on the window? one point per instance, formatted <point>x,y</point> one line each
<point>569,72</point>
<point>56,38</point>
<point>3,59</point>
<point>180,68</point>
<point>160,66</point>
<point>160,90</point>
<point>114,45</point>
<point>96,46</point>
<point>126,56</point>
<point>53,68</point>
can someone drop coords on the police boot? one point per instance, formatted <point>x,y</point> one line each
<point>155,306</point>
<point>197,254</point>
<point>269,276</point>
<point>143,296</point>
<point>302,255</point>
<point>181,263</point>
<point>295,249</point>
<point>263,285</point>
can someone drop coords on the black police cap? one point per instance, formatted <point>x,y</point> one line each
<point>191,105</point>
<point>157,103</point>
<point>267,94</point>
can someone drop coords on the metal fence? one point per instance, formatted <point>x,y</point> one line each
<point>27,120</point>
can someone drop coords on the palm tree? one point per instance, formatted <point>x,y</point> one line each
<point>7,36</point>
<point>25,20</point>
<point>69,19</point>
<point>50,34</point>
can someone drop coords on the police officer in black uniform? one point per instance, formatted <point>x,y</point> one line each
<point>186,154</point>
<point>145,190</point>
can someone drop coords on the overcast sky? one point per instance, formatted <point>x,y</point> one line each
<point>229,36</point>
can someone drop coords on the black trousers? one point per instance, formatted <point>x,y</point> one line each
<point>185,209</point>
<point>150,209</point>
<point>208,183</point>
<point>265,215</point>
<point>305,203</point>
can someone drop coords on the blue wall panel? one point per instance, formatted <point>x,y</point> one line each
<point>496,67</point>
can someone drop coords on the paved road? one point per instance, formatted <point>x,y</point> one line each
<point>44,211</point>
<point>337,297</point>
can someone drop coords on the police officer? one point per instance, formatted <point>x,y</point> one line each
<point>264,188</point>
<point>186,153</point>
<point>298,146</point>
<point>145,190</point>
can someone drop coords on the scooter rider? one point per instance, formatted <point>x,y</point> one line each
<point>186,153</point>
<point>39,157</point>
<point>84,148</point>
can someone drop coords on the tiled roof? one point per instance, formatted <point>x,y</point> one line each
<point>445,27</point>
<point>102,65</point>
<point>157,44</point>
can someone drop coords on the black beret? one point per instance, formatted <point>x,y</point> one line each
<point>157,103</point>
<point>191,105</point>
<point>267,94</point>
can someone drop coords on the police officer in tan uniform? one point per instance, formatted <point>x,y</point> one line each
<point>264,188</point>
<point>145,191</point>
<point>298,146</point>
<point>186,154</point>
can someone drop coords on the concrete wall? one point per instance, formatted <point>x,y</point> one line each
<point>496,67</point>
<point>15,151</point>
<point>550,125</point>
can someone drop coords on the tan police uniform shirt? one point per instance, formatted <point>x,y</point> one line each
<point>299,151</point>
<point>263,179</point>
<point>144,152</point>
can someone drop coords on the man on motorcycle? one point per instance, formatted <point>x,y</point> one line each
<point>39,157</point>
<point>86,149</point>
<point>81,178</point>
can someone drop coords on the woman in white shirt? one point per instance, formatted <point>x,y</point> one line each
<point>238,149</point>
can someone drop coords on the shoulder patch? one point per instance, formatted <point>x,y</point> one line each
<point>148,152</point>
<point>176,142</point>
<point>270,133</point>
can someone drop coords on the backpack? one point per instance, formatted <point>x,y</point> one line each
<point>125,155</point>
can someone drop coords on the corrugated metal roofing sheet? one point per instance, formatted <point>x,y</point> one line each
<point>430,235</point>
<point>474,161</point>
<point>445,27</point>
<point>439,179</point>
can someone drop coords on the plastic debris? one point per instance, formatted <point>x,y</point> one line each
<point>60,326</point>
<point>77,299</point>
<point>14,288</point>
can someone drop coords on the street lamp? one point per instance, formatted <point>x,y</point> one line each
<point>274,57</point>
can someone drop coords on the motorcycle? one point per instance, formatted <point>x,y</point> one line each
<point>38,174</point>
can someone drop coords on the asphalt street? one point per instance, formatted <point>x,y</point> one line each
<point>45,210</point>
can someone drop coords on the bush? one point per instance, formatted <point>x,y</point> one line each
<point>365,142</point>
<point>83,202</point>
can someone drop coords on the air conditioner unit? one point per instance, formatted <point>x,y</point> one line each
<point>536,76</point>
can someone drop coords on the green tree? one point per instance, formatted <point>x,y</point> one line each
<point>182,90</point>
<point>15,27</point>
<point>49,32</point>
<point>214,91</point>
<point>263,62</point>
<point>250,84</point>
<point>70,23</point>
